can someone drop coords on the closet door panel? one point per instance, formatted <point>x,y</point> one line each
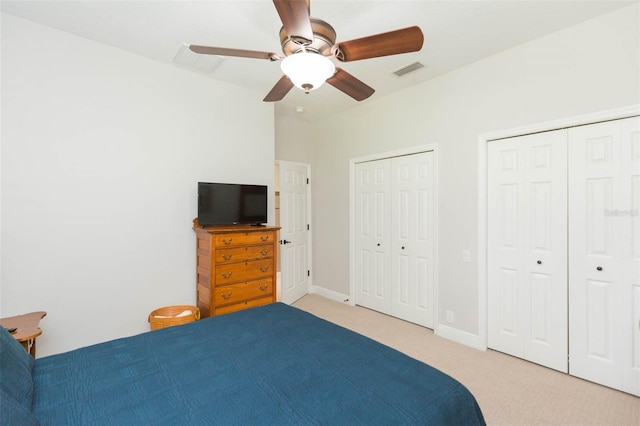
<point>373,235</point>
<point>413,242</point>
<point>631,254</point>
<point>597,295</point>
<point>546,307</point>
<point>631,375</point>
<point>527,248</point>
<point>505,221</point>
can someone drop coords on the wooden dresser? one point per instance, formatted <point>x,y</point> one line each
<point>235,267</point>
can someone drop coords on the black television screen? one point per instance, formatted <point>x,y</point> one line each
<point>228,203</point>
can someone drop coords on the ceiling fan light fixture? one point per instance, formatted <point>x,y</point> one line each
<point>308,71</point>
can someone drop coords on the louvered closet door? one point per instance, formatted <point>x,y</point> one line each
<point>527,248</point>
<point>373,235</point>
<point>412,228</point>
<point>604,247</point>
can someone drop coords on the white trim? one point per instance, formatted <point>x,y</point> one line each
<point>309,217</point>
<point>459,336</point>
<point>483,139</point>
<point>330,294</point>
<point>352,216</point>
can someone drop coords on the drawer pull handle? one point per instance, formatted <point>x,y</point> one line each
<point>227,256</point>
<point>227,274</point>
<point>264,268</point>
<point>264,237</point>
<point>227,242</point>
<point>263,287</point>
<point>263,252</point>
<point>226,295</point>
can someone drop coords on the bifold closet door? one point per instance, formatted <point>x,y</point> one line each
<point>395,270</point>
<point>373,235</point>
<point>527,247</point>
<point>604,253</point>
<point>412,215</point>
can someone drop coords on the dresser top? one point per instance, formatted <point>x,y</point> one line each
<point>219,229</point>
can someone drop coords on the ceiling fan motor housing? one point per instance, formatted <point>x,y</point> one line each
<point>324,37</point>
<point>310,49</point>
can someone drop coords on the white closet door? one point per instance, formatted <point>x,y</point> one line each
<point>373,235</point>
<point>604,274</point>
<point>527,248</point>
<point>631,254</point>
<point>412,229</point>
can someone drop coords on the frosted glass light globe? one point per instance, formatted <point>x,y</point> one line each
<point>307,70</point>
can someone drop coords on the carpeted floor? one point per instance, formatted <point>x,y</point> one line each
<point>510,391</point>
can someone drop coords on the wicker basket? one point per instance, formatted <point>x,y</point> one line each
<point>170,315</point>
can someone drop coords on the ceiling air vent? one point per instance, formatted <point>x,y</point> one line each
<point>409,68</point>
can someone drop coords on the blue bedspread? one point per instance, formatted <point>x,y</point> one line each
<point>269,365</point>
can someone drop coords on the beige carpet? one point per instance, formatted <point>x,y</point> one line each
<point>510,391</point>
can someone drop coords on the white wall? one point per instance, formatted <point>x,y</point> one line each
<point>294,142</point>
<point>590,67</point>
<point>101,152</point>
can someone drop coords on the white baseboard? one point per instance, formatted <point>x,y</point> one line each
<point>329,294</point>
<point>442,330</point>
<point>459,336</point>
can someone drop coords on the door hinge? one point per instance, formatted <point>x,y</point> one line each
<point>307,226</point>
<point>308,273</point>
<point>307,181</point>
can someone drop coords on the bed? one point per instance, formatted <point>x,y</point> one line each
<point>273,364</point>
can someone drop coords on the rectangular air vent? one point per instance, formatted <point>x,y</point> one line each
<point>409,68</point>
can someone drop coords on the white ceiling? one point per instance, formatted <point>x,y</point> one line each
<point>456,33</point>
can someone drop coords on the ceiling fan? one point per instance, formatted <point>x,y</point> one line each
<point>308,44</point>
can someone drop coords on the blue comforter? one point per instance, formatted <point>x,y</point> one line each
<point>269,365</point>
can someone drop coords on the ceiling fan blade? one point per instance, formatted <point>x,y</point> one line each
<point>384,44</point>
<point>222,51</point>
<point>350,85</point>
<point>280,90</point>
<point>294,15</point>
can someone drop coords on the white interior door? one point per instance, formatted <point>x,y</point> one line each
<point>604,243</point>
<point>373,235</point>
<point>527,248</point>
<point>412,216</point>
<point>294,232</point>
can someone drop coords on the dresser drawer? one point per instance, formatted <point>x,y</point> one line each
<point>240,292</point>
<point>244,305</point>
<point>243,271</point>
<point>240,254</point>
<point>244,238</point>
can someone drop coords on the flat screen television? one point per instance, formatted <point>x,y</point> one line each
<point>228,203</point>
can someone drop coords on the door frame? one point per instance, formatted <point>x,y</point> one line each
<point>309,233</point>
<point>483,140</point>
<point>352,216</point>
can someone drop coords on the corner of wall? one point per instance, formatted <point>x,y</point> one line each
<point>459,336</point>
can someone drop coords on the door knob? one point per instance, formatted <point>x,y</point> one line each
<point>285,242</point>
<point>539,262</point>
<point>402,247</point>
<point>378,244</point>
<point>599,268</point>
